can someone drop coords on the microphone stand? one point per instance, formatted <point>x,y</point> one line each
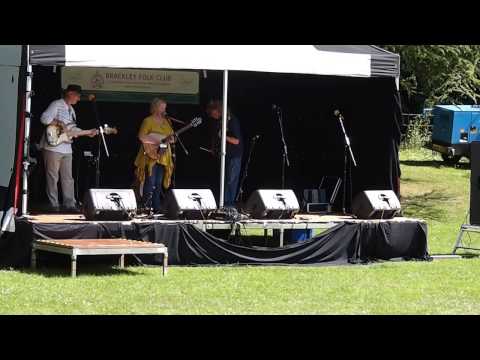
<point>181,144</point>
<point>285,160</point>
<point>99,149</point>
<point>174,150</point>
<point>346,165</point>
<point>174,156</point>
<point>245,171</point>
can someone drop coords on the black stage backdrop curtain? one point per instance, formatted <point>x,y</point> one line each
<point>371,107</point>
<point>346,243</point>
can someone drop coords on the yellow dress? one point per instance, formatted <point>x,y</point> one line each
<point>143,162</point>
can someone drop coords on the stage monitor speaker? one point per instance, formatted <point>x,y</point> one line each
<point>272,204</point>
<point>475,183</point>
<point>375,204</point>
<point>109,204</point>
<point>189,203</point>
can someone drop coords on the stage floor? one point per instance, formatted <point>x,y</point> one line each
<point>299,222</point>
<point>308,219</point>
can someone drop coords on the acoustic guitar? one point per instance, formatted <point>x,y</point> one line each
<point>56,135</point>
<point>155,144</point>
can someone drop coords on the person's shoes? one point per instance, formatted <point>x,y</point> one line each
<point>53,209</point>
<point>72,209</point>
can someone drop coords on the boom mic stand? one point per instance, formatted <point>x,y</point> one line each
<point>174,156</point>
<point>285,160</point>
<point>245,171</point>
<point>100,140</point>
<point>174,150</point>
<point>347,164</point>
<point>181,144</point>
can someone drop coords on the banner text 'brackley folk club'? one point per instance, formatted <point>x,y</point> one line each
<point>138,76</point>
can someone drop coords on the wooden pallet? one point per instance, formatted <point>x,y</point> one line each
<point>75,248</point>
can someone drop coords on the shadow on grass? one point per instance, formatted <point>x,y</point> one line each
<point>435,164</point>
<point>87,271</point>
<point>468,255</point>
<point>425,206</point>
<point>412,181</point>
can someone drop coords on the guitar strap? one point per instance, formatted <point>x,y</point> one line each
<point>72,114</point>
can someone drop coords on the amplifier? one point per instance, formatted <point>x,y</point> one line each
<point>319,208</point>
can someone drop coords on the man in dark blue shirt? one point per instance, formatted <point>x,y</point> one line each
<point>233,159</point>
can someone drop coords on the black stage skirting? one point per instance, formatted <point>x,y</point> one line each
<point>346,243</point>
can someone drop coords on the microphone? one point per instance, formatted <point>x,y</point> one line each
<point>173,119</point>
<point>338,114</point>
<point>276,108</point>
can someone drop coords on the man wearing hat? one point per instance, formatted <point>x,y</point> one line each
<point>58,159</point>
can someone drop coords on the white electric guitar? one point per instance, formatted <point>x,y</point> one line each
<point>56,135</point>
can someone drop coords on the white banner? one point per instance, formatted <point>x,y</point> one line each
<point>132,80</point>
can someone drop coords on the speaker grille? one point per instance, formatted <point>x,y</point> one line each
<point>272,204</point>
<point>110,204</point>
<point>375,204</point>
<point>190,203</point>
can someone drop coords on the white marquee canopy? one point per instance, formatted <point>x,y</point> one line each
<point>339,60</point>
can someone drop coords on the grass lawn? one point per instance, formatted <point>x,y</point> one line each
<point>430,191</point>
<point>438,194</point>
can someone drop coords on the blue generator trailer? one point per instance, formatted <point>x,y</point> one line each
<point>454,128</point>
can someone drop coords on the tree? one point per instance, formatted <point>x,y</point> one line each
<point>434,74</point>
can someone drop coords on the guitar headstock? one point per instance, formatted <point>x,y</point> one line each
<point>196,121</point>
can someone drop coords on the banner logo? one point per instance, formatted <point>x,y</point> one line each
<point>97,81</point>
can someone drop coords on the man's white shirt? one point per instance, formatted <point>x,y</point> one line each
<point>63,112</point>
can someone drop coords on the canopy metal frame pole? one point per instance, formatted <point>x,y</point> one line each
<point>26,138</point>
<point>224,138</point>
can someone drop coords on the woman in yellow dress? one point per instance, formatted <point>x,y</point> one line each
<point>154,173</point>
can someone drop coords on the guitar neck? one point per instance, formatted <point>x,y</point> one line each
<point>182,130</point>
<point>81,133</point>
